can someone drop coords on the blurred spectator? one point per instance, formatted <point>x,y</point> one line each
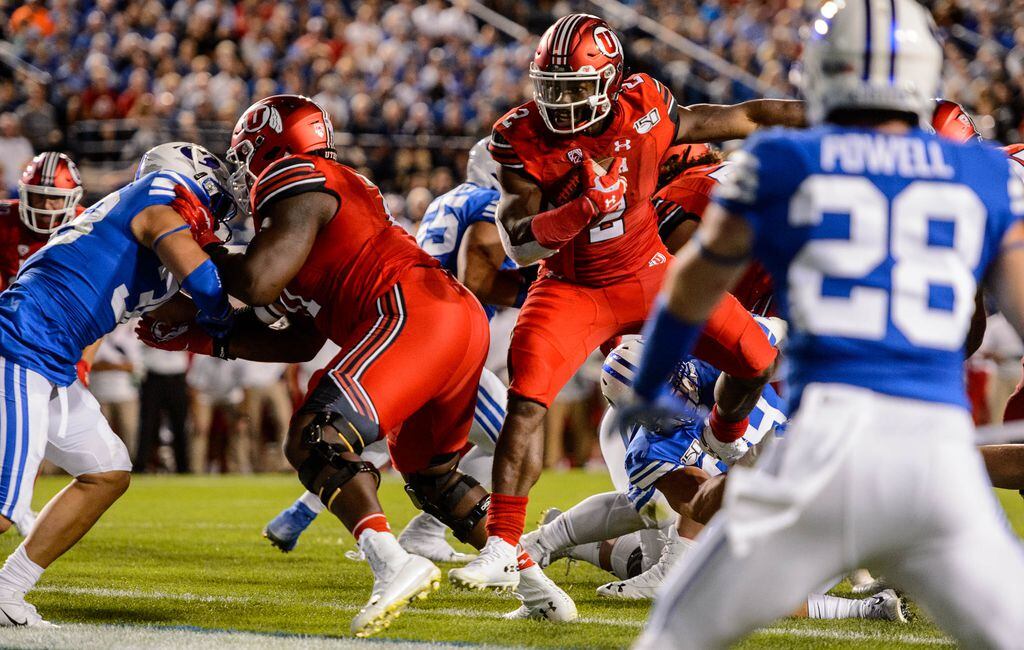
<point>215,389</point>
<point>266,394</point>
<point>16,152</point>
<point>31,17</point>
<point>39,119</point>
<point>163,399</point>
<point>113,382</point>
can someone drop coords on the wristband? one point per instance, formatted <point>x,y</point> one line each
<point>220,348</point>
<point>667,339</point>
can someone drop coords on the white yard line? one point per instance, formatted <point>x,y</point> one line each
<point>780,630</point>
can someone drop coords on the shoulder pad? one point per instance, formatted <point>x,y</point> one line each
<point>285,178</point>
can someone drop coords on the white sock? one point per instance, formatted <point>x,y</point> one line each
<point>425,524</point>
<point>478,464</point>
<point>312,502</point>
<point>19,572</point>
<point>832,607</point>
<point>625,556</point>
<point>599,517</point>
<point>589,552</point>
<point>652,543</point>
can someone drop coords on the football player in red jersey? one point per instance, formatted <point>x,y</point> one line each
<point>595,230</point>
<point>413,340</point>
<point>1005,463</point>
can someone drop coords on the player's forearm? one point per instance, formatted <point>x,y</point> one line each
<point>492,286</point>
<point>533,238</point>
<point>251,339</point>
<point>776,112</point>
<point>713,122</point>
<point>241,278</point>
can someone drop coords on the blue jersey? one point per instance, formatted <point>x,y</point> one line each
<point>650,456</point>
<point>91,275</point>
<point>876,244</point>
<point>447,219</point>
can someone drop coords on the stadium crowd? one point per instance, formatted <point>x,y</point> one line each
<point>409,86</point>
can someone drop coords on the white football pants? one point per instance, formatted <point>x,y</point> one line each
<point>860,480</point>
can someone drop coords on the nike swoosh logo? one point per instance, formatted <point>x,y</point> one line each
<point>13,622</point>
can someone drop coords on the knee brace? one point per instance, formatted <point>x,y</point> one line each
<point>442,493</point>
<point>325,471</point>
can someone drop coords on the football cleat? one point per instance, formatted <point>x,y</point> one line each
<point>541,598</point>
<point>284,530</point>
<point>425,536</point>
<point>15,612</point>
<point>495,568</point>
<point>862,582</point>
<point>646,585</point>
<point>886,606</point>
<point>535,543</point>
<point>398,579</point>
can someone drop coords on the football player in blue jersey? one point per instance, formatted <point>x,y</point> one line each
<point>125,255</point>
<point>458,230</point>
<point>876,233</point>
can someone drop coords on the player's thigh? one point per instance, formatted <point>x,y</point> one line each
<point>715,596</point>
<point>558,327</point>
<point>614,440</point>
<point>84,443</point>
<point>491,400</point>
<point>24,418</point>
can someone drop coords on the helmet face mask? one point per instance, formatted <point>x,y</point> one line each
<point>240,178</point>
<point>576,73</point>
<point>199,166</point>
<point>49,192</point>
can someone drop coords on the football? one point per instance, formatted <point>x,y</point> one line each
<point>572,184</point>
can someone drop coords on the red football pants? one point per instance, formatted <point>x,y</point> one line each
<point>562,323</point>
<point>414,367</point>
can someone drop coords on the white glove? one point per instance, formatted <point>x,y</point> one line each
<point>727,452</point>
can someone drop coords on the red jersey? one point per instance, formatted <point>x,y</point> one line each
<point>356,257</point>
<point>684,199</point>
<point>640,129</point>
<point>17,243</point>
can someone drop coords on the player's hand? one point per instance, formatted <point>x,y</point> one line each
<point>216,325</point>
<point>178,337</point>
<point>605,189</point>
<point>82,368</point>
<point>200,220</point>
<point>727,452</point>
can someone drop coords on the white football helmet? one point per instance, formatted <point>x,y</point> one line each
<point>481,169</point>
<point>619,370</point>
<point>872,54</point>
<point>199,165</point>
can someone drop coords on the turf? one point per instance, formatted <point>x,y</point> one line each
<point>186,551</point>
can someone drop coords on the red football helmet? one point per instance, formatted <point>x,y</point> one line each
<point>49,192</point>
<point>271,129</point>
<point>576,73</point>
<point>950,120</point>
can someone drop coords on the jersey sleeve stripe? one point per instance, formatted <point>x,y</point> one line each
<point>297,187</point>
<point>286,166</point>
<point>264,188</point>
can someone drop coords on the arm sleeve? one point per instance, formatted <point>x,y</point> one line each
<point>286,178</point>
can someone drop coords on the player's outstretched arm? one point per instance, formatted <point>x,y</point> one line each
<point>288,229</point>
<point>252,339</point>
<point>1006,280</point>
<point>481,256</point>
<point>716,122</point>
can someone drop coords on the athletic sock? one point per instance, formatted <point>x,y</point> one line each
<point>524,561</point>
<point>600,517</point>
<point>506,517</point>
<point>833,607</point>
<point>376,521</point>
<point>726,431</point>
<point>312,502</point>
<point>626,556</point>
<point>589,553</point>
<point>19,573</point>
<point>555,536</point>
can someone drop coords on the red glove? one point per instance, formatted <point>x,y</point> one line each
<point>606,191</point>
<point>198,217</point>
<point>176,338</point>
<point>82,368</point>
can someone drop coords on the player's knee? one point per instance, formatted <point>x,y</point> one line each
<point>454,498</point>
<point>115,483</point>
<point>325,459</point>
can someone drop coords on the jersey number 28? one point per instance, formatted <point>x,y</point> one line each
<point>933,232</point>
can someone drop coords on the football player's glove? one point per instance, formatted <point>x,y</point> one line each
<point>605,189</point>
<point>200,220</point>
<point>174,337</point>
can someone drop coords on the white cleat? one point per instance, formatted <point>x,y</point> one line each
<point>424,536</point>
<point>495,568</point>
<point>15,612</point>
<point>647,584</point>
<point>886,606</point>
<point>862,582</point>
<point>535,543</point>
<point>398,579</point>
<point>541,598</point>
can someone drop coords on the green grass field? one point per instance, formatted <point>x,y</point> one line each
<point>186,553</point>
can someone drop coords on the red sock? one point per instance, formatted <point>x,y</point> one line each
<point>524,560</point>
<point>377,521</point>
<point>726,431</point>
<point>506,517</point>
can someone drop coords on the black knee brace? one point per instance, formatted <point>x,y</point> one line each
<point>325,471</point>
<point>445,500</point>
